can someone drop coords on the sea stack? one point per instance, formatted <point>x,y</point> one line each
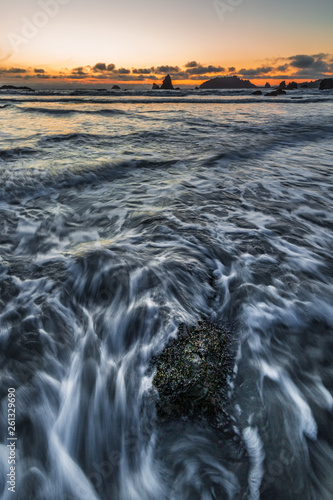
<point>326,84</point>
<point>167,83</point>
<point>155,86</point>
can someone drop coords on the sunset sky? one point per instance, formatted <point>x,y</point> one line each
<point>80,42</point>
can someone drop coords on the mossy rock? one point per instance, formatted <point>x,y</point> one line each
<point>191,373</point>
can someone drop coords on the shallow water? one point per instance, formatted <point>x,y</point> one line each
<point>124,215</point>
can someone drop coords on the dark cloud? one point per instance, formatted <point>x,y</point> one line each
<point>43,77</point>
<point>317,65</point>
<point>167,69</point>
<point>40,71</point>
<point>283,67</point>
<point>255,72</point>
<point>201,70</point>
<point>110,67</point>
<point>142,71</point>
<point>99,67</point>
<point>191,64</point>
<point>13,71</point>
<point>232,69</point>
<point>301,61</point>
<point>79,72</point>
<point>122,71</point>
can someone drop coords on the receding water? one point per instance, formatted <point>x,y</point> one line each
<point>121,217</point>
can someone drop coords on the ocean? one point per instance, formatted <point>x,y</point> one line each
<point>125,214</point>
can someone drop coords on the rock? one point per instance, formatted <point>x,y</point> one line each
<point>282,85</point>
<point>257,92</point>
<point>155,86</point>
<point>275,93</point>
<point>177,88</point>
<point>291,86</point>
<point>116,87</point>
<point>326,84</point>
<point>312,85</point>
<point>191,373</point>
<point>227,82</point>
<point>304,86</point>
<point>167,83</point>
<point>267,85</point>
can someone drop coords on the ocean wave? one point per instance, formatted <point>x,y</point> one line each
<point>62,111</point>
<point>15,153</point>
<point>44,182</point>
<point>181,99</point>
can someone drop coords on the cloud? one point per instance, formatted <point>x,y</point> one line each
<point>79,72</point>
<point>283,67</point>
<point>191,64</point>
<point>99,67</point>
<point>167,69</point>
<point>201,70</point>
<point>43,76</point>
<point>255,72</point>
<point>232,69</point>
<point>301,61</point>
<point>40,71</point>
<point>13,71</point>
<point>317,65</point>
<point>122,71</point>
<point>142,71</point>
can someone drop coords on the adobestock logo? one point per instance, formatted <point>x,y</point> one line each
<point>222,8</point>
<point>31,27</point>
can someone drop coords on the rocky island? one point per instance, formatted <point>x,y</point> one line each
<point>227,82</point>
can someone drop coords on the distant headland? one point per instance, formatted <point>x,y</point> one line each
<point>13,87</point>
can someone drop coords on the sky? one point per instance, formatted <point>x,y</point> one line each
<point>98,42</point>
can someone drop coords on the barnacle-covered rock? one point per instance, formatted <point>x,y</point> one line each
<point>191,373</point>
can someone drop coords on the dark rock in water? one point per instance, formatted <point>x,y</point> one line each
<point>115,87</point>
<point>282,85</point>
<point>275,93</point>
<point>155,86</point>
<point>177,88</point>
<point>257,92</point>
<point>304,86</point>
<point>227,82</point>
<point>192,371</point>
<point>167,83</point>
<point>291,86</point>
<point>267,85</point>
<point>326,84</point>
